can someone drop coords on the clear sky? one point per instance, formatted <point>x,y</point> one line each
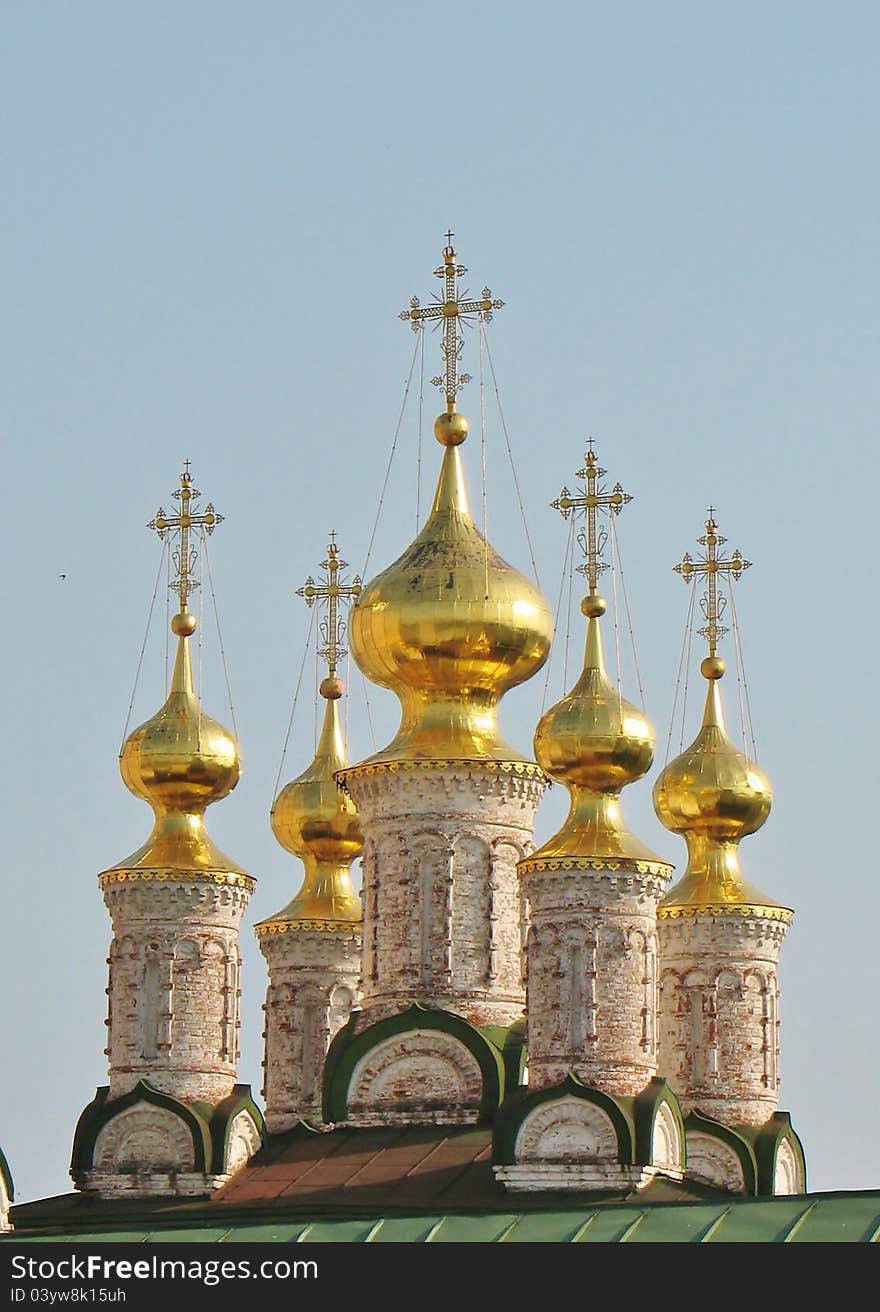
<point>211,216</point>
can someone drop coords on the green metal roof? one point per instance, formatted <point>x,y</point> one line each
<point>812,1218</point>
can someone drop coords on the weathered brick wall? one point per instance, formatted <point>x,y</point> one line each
<point>314,981</point>
<point>442,907</point>
<point>719,1014</point>
<point>174,991</point>
<point>592,977</point>
<point>417,1078</point>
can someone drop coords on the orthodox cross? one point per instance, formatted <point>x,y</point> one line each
<point>185,555</point>
<point>593,499</point>
<point>711,564</point>
<point>452,312</point>
<point>330,592</point>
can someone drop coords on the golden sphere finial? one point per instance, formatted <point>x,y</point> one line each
<point>712,667</point>
<point>450,428</point>
<point>183,624</point>
<point>593,606</point>
<point>331,688</point>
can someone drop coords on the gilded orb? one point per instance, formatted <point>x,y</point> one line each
<point>451,429</point>
<point>593,606</point>
<point>183,624</point>
<point>712,667</point>
<point>331,688</point>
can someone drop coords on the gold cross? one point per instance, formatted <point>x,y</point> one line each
<point>591,501</point>
<point>711,564</point>
<point>452,312</point>
<point>333,627</point>
<point>185,555</point>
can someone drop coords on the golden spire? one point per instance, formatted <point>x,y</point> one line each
<point>450,626</point>
<point>312,817</point>
<point>712,793</point>
<point>181,760</point>
<point>593,741</point>
<point>453,312</point>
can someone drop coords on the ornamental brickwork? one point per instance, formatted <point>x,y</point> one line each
<point>444,920</point>
<point>314,981</point>
<point>174,985</point>
<point>719,1013</point>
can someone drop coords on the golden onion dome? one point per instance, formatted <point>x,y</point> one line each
<point>450,627</point>
<point>595,743</point>
<point>316,821</point>
<point>180,761</point>
<point>713,795</point>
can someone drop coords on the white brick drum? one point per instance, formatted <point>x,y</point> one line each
<point>314,981</point>
<point>592,975</point>
<point>174,983</point>
<point>443,916</point>
<point>719,1012</point>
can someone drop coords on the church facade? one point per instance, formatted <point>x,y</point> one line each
<point>610,1031</point>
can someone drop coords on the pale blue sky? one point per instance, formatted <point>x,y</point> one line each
<point>211,216</point>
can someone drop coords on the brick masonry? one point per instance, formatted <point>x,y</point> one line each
<point>592,977</point>
<point>314,981</point>
<point>174,986</point>
<point>444,922</point>
<point>719,1013</point>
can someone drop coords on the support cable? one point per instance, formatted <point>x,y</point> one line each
<point>747,721</point>
<point>568,546</point>
<point>419,457</point>
<point>629,623</point>
<point>295,698</point>
<point>483,469</point>
<point>207,557</point>
<point>614,566</point>
<point>140,661</point>
<point>685,644</point>
<point>568,622</point>
<point>510,453</point>
<point>390,460</point>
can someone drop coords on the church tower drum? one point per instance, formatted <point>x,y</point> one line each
<point>719,936</point>
<point>174,983</point>
<point>448,807</point>
<point>593,887</point>
<point>313,946</point>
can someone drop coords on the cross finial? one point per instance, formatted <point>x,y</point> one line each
<point>712,603</point>
<point>590,501</point>
<point>331,591</point>
<point>452,312</point>
<point>184,555</point>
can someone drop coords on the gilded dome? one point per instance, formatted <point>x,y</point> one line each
<point>180,761</point>
<point>450,627</point>
<point>318,822</point>
<point>713,795</point>
<point>595,743</point>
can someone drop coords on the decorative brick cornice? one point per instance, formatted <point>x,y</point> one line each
<point>602,866</point>
<point>745,911</point>
<point>224,878</point>
<point>349,928</point>
<point>522,769</point>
